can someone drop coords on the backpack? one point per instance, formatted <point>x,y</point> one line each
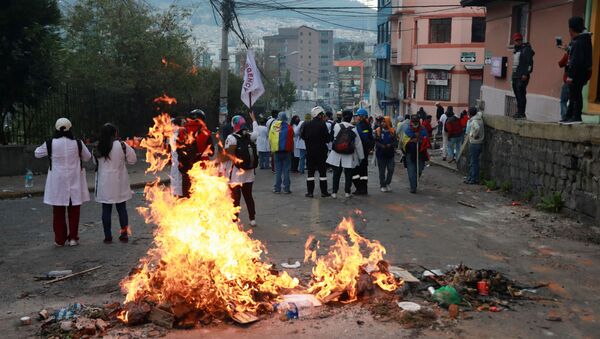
<point>49,148</point>
<point>344,141</point>
<point>246,152</point>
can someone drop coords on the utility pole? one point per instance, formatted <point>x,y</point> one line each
<point>279,81</point>
<point>226,10</point>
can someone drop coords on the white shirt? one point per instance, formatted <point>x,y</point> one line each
<point>346,160</point>
<point>66,182</point>
<point>112,178</point>
<point>238,175</point>
<point>262,142</point>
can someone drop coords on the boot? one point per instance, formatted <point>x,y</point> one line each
<point>310,187</point>
<point>323,186</point>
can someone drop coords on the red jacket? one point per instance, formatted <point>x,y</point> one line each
<point>562,63</point>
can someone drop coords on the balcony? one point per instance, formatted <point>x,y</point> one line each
<point>382,51</point>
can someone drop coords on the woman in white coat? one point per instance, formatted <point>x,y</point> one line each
<point>66,185</point>
<point>175,174</point>
<point>262,146</point>
<point>344,162</point>
<point>112,180</point>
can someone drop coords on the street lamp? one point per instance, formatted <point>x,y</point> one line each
<point>279,56</point>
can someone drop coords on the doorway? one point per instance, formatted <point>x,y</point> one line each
<point>475,82</point>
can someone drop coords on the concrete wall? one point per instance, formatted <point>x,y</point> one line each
<point>545,158</point>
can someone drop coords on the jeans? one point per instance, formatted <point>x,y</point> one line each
<point>263,160</point>
<point>564,99</point>
<point>411,167</point>
<point>474,152</point>
<point>575,100</point>
<point>385,165</point>
<point>106,218</point>
<point>302,161</point>
<point>337,174</point>
<point>454,144</point>
<point>283,162</point>
<point>520,90</point>
<point>245,189</point>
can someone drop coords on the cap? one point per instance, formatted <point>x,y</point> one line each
<point>63,124</point>
<point>362,112</point>
<point>316,111</point>
<point>437,103</point>
<point>517,36</point>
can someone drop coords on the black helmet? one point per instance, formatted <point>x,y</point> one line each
<point>197,114</point>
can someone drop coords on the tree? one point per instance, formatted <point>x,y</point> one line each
<point>29,45</point>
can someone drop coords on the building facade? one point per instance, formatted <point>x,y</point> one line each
<point>436,55</point>
<point>307,53</point>
<point>541,22</point>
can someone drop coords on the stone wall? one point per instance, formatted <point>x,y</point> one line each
<point>544,158</point>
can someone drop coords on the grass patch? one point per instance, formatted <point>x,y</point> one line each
<point>528,196</point>
<point>506,187</point>
<point>492,185</point>
<point>553,203</point>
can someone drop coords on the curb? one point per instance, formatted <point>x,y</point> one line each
<point>441,163</point>
<point>37,193</point>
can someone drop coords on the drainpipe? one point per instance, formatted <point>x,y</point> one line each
<point>588,17</point>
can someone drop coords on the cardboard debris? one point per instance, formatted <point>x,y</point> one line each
<point>301,300</point>
<point>161,318</point>
<point>244,318</point>
<point>403,274</point>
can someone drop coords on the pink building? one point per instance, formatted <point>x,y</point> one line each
<point>437,54</point>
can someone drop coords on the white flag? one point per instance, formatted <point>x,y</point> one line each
<point>252,88</point>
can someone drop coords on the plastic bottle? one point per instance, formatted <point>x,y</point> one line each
<point>28,179</point>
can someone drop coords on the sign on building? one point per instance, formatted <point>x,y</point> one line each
<point>467,57</point>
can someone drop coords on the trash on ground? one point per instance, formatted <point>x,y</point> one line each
<point>446,296</point>
<point>432,273</point>
<point>301,300</point>
<point>409,306</point>
<point>294,265</point>
<point>25,321</point>
<point>403,274</point>
<point>244,317</point>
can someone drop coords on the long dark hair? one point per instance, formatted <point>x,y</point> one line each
<point>62,133</point>
<point>108,133</point>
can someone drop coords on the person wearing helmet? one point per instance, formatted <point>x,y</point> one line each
<point>195,143</point>
<point>316,136</point>
<point>361,172</point>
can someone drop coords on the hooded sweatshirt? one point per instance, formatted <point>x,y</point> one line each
<point>476,129</point>
<point>281,135</point>
<point>580,57</point>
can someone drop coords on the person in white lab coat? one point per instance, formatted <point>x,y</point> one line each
<point>66,185</point>
<point>175,174</point>
<point>112,180</point>
<point>344,162</point>
<point>262,146</point>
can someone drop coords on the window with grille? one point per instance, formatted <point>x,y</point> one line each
<point>437,86</point>
<point>520,19</point>
<point>440,30</point>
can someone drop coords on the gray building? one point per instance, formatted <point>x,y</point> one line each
<point>305,52</point>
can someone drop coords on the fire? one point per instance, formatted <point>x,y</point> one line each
<point>337,273</point>
<point>201,259</point>
<point>166,99</point>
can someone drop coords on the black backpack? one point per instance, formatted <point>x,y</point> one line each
<point>344,141</point>
<point>246,152</point>
<point>49,148</point>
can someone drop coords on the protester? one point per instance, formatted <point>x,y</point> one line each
<point>454,130</point>
<point>415,144</point>
<point>422,114</point>
<point>442,122</point>
<point>564,90</point>
<point>464,118</point>
<point>240,144</point>
<point>361,172</point>
<point>175,174</point>
<point>579,68</point>
<point>401,127</point>
<point>316,136</point>
<point>294,122</point>
<point>522,68</point>
<point>476,136</point>
<point>300,145</point>
<point>330,123</point>
<point>439,111</point>
<point>262,146</point>
<point>272,118</point>
<point>112,180</point>
<point>194,143</point>
<point>427,126</point>
<point>281,139</point>
<point>66,184</point>
<point>385,144</point>
<point>346,153</point>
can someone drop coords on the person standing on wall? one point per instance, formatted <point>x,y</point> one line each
<point>522,68</point>
<point>66,184</point>
<point>316,137</point>
<point>112,180</point>
<point>579,68</point>
<point>361,172</point>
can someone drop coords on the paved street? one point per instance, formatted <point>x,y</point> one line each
<point>429,229</point>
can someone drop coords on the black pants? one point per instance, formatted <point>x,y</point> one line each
<point>575,100</point>
<point>295,162</point>
<point>360,176</point>
<point>313,165</point>
<point>337,174</point>
<point>520,90</point>
<point>246,190</point>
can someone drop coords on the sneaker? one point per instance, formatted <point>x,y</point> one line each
<point>334,195</point>
<point>276,192</point>
<point>325,195</point>
<point>347,195</point>
<point>253,223</point>
<point>572,122</point>
<point>58,245</point>
<point>73,242</point>
<point>287,192</point>
<point>383,189</point>
<point>124,237</point>
<point>388,188</point>
<point>309,195</point>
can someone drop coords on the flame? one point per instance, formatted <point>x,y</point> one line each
<point>164,61</point>
<point>166,99</point>
<point>338,271</point>
<point>201,257</point>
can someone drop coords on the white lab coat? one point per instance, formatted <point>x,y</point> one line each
<point>112,178</point>
<point>175,174</point>
<point>262,143</point>
<point>346,160</point>
<point>236,175</point>
<point>298,142</point>
<point>66,181</point>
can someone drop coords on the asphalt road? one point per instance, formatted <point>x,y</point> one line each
<point>429,229</point>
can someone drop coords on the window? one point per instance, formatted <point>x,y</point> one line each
<point>437,86</point>
<point>440,30</point>
<point>478,29</point>
<point>399,30</point>
<point>324,41</point>
<point>520,18</point>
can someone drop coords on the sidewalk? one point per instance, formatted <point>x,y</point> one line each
<point>13,187</point>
